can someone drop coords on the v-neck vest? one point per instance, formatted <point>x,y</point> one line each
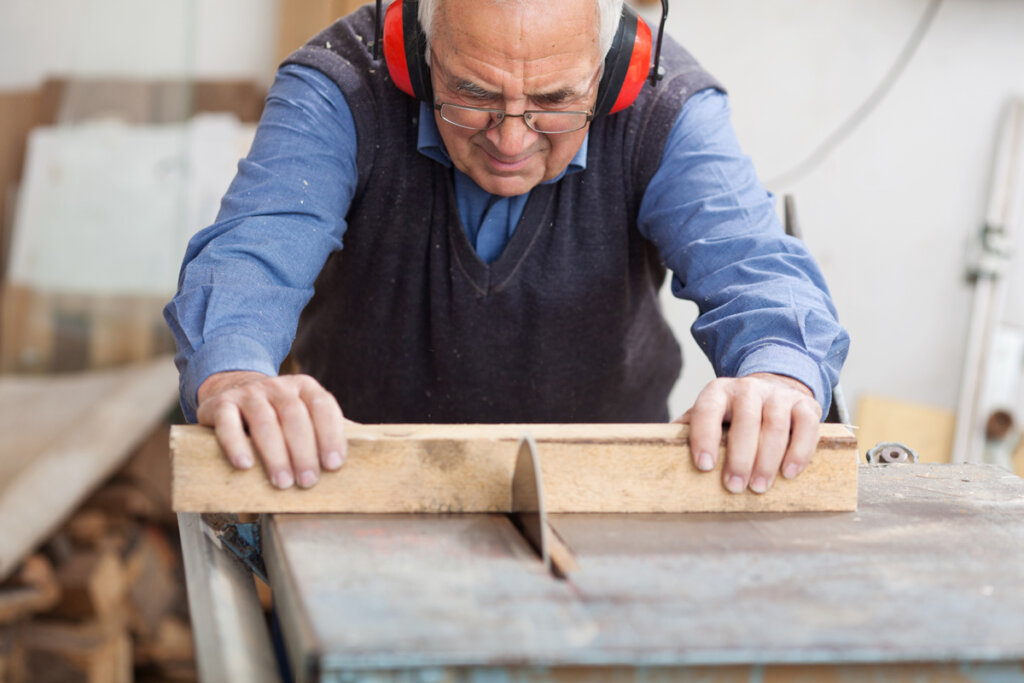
<point>407,324</point>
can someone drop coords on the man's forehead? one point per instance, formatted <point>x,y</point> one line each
<point>489,50</point>
<point>531,31</point>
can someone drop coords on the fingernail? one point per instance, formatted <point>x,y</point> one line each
<point>792,469</point>
<point>333,461</point>
<point>243,461</point>
<point>307,478</point>
<point>283,479</point>
<point>705,463</point>
<point>734,484</point>
<point>759,485</point>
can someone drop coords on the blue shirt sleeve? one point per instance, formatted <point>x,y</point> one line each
<point>763,303</point>
<point>246,278</point>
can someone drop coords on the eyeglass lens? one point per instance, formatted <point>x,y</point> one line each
<point>540,121</point>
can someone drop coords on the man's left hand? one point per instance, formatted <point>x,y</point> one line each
<point>773,428</point>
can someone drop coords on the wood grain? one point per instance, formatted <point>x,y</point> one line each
<point>61,436</point>
<point>468,468</point>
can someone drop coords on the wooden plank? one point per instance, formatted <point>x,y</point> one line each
<point>70,101</point>
<point>468,468</point>
<point>929,569</point>
<point>300,20</point>
<point>59,463</point>
<point>19,112</point>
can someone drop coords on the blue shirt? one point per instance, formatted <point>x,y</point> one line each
<point>764,306</point>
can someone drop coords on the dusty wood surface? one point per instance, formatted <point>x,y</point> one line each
<point>929,570</point>
<point>62,436</point>
<point>468,468</point>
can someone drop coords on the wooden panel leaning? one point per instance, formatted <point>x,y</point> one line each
<point>468,468</point>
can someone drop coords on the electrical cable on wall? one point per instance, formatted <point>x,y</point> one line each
<point>861,113</point>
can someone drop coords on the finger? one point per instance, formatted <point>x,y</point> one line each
<point>328,425</point>
<point>706,416</point>
<point>774,439</point>
<point>742,440</point>
<point>683,419</point>
<point>230,431</point>
<point>300,439</point>
<point>265,429</point>
<point>804,438</point>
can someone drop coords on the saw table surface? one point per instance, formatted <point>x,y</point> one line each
<point>929,569</point>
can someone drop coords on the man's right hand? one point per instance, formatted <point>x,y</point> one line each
<point>296,425</point>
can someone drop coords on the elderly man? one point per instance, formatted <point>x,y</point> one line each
<point>503,252</point>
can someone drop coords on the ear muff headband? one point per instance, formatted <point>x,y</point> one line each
<point>626,66</point>
<point>405,49</point>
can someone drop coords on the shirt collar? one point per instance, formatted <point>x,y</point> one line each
<point>430,144</point>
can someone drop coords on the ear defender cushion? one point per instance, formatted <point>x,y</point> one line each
<point>627,65</point>
<point>405,49</point>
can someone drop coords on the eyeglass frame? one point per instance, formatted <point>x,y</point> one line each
<point>500,115</point>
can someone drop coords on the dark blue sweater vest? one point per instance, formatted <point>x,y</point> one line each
<point>407,324</point>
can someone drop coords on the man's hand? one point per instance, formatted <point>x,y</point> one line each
<point>295,424</point>
<point>774,427</point>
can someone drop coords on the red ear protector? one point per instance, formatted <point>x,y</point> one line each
<point>626,66</point>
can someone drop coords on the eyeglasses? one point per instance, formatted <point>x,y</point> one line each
<point>545,122</point>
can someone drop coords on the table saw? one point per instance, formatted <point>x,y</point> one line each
<point>924,580</point>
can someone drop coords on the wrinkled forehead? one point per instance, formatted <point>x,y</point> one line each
<point>536,34</point>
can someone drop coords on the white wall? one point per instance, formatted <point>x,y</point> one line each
<point>888,214</point>
<point>141,38</point>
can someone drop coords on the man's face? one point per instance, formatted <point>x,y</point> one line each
<point>533,54</point>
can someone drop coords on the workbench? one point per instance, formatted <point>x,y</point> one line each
<point>926,579</point>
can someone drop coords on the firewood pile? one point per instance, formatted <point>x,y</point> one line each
<point>104,598</point>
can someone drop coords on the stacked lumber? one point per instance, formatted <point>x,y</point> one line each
<point>91,583</point>
<point>104,598</point>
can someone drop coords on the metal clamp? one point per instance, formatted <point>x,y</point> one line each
<point>242,539</point>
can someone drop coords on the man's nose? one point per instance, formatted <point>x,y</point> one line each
<point>511,136</point>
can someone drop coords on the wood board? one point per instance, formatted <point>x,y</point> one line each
<point>300,20</point>
<point>926,429</point>
<point>62,436</point>
<point>929,570</point>
<point>468,468</point>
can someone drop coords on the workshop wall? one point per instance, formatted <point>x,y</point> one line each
<point>891,210</point>
<point>203,39</point>
<point>888,213</point>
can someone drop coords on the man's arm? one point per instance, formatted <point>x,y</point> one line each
<point>246,278</point>
<point>766,322</point>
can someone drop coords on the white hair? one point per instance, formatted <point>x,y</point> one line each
<point>608,14</point>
